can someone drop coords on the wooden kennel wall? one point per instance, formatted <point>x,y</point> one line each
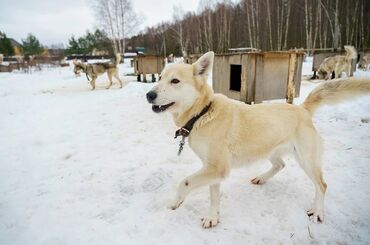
<point>257,76</point>
<point>148,64</point>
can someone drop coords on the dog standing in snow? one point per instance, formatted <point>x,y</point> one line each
<point>94,70</point>
<point>338,64</point>
<point>224,133</point>
<point>364,62</point>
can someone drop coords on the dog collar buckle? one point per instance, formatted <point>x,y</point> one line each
<point>182,132</point>
<point>185,131</point>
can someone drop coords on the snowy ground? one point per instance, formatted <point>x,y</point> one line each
<point>83,167</point>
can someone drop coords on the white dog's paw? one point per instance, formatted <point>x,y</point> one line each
<point>316,215</point>
<point>258,180</point>
<point>210,221</point>
<point>175,204</point>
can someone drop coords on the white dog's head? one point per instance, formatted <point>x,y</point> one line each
<point>181,85</point>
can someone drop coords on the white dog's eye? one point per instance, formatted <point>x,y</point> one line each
<point>175,81</point>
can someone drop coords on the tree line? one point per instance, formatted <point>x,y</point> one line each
<point>89,43</point>
<point>269,25</point>
<point>30,45</point>
<point>92,41</point>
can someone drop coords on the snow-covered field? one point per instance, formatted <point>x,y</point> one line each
<point>99,167</point>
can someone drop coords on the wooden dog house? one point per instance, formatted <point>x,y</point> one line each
<point>257,76</point>
<point>148,64</point>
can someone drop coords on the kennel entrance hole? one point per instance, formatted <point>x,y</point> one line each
<point>235,77</point>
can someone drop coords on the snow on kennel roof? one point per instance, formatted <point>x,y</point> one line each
<point>245,49</point>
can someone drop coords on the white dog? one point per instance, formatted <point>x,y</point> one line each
<point>224,132</point>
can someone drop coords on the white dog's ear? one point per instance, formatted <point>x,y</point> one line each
<point>75,62</point>
<point>203,66</point>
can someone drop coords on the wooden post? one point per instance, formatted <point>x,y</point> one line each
<point>139,78</point>
<point>244,77</point>
<point>153,78</point>
<point>259,79</point>
<point>291,82</point>
<point>144,78</point>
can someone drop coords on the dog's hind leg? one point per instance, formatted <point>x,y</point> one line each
<point>116,75</point>
<point>92,83</point>
<point>308,153</point>
<point>277,165</point>
<point>110,79</point>
<point>349,70</point>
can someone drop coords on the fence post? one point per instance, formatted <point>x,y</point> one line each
<point>291,82</point>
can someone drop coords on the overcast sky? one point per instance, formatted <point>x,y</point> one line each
<point>54,21</point>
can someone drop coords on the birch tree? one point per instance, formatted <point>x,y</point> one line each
<point>265,24</point>
<point>119,19</point>
<point>182,40</point>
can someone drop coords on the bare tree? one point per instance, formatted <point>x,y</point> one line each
<point>119,19</point>
<point>263,24</point>
<point>179,34</point>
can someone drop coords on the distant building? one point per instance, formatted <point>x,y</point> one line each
<point>140,50</point>
<point>98,52</point>
<point>17,47</point>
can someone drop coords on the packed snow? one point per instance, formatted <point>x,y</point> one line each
<point>99,167</point>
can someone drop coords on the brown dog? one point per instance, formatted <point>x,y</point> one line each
<point>338,64</point>
<point>94,70</point>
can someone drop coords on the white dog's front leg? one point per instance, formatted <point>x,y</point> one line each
<point>212,218</point>
<point>206,176</point>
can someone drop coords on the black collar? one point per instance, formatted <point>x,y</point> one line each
<point>185,130</point>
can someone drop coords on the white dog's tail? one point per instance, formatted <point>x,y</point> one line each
<point>118,59</point>
<point>336,91</point>
<point>351,52</point>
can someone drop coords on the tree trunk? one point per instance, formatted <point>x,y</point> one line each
<point>269,23</point>
<point>287,24</point>
<point>336,26</point>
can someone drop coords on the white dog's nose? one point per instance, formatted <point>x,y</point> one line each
<point>151,96</point>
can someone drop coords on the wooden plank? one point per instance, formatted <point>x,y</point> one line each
<point>291,82</point>
<point>258,92</point>
<point>244,78</point>
<point>217,75</point>
<point>298,74</point>
<point>275,76</point>
<point>249,74</point>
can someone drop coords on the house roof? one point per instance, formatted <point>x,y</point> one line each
<point>14,42</point>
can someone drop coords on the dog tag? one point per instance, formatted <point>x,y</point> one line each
<point>181,145</point>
